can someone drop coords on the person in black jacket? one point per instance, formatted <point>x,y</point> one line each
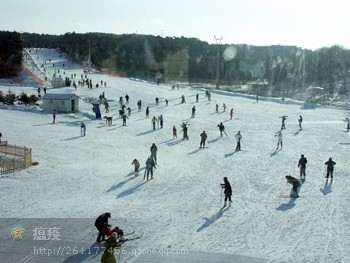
<point>302,165</point>
<point>330,167</point>
<point>295,186</point>
<point>228,191</point>
<point>100,222</point>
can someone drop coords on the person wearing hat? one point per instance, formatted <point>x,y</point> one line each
<point>228,191</point>
<point>330,167</point>
<point>108,253</point>
<point>302,165</point>
<point>100,223</point>
<point>203,138</point>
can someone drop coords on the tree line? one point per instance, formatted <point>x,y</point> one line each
<point>269,70</point>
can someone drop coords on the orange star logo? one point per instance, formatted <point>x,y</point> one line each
<point>18,232</point>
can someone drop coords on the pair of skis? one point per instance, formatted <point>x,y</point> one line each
<point>122,239</point>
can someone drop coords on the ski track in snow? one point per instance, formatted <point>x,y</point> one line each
<point>86,176</point>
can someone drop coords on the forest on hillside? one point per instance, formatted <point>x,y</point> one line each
<point>267,70</point>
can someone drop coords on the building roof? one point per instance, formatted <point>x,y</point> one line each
<point>55,96</point>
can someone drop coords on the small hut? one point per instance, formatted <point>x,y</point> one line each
<point>65,103</point>
<point>58,82</point>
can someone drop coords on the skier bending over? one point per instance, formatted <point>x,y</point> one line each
<point>228,191</point>
<point>295,186</point>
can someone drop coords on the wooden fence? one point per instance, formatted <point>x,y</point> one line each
<point>14,158</point>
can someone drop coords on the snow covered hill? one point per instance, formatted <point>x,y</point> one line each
<point>79,178</point>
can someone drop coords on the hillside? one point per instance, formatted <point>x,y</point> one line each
<point>78,178</point>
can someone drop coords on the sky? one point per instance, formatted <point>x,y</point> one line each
<point>80,177</point>
<point>308,24</point>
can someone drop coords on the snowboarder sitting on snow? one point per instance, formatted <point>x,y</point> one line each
<point>102,225</point>
<point>330,167</point>
<point>228,191</point>
<point>108,253</point>
<point>295,186</point>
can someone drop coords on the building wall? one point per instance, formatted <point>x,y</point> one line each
<point>60,105</point>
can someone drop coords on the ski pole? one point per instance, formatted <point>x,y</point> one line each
<point>221,196</point>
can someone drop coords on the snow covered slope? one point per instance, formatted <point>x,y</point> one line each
<point>181,208</point>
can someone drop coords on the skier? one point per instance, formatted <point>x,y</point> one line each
<point>284,117</point>
<point>221,129</point>
<point>106,106</point>
<point>147,112</point>
<point>136,164</point>
<point>279,139</point>
<point>300,120</point>
<point>238,139</point>
<point>1,136</point>
<point>124,119</point>
<point>160,120</point>
<point>216,108</point>
<point>154,121</point>
<point>228,191</point>
<point>197,96</point>
<point>82,129</point>
<point>203,136</point>
<point>54,115</point>
<point>296,186</point>
<point>139,105</point>
<point>149,167</point>
<point>193,111</point>
<point>157,101</point>
<point>231,113</point>
<point>302,165</point>
<point>100,223</point>
<point>348,125</point>
<point>166,102</point>
<point>184,129</point>
<point>127,98</point>
<point>330,168</point>
<point>183,99</point>
<point>108,252</point>
<point>224,106</point>
<point>174,133</point>
<point>153,150</point>
<point>129,111</point>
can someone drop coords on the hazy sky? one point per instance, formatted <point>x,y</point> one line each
<point>309,24</point>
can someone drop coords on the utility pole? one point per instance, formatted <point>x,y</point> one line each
<point>218,42</point>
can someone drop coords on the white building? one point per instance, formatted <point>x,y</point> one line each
<point>58,82</point>
<point>61,102</point>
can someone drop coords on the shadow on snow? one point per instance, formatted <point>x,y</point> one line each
<point>213,218</point>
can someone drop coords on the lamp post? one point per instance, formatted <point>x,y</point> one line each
<point>218,42</point>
